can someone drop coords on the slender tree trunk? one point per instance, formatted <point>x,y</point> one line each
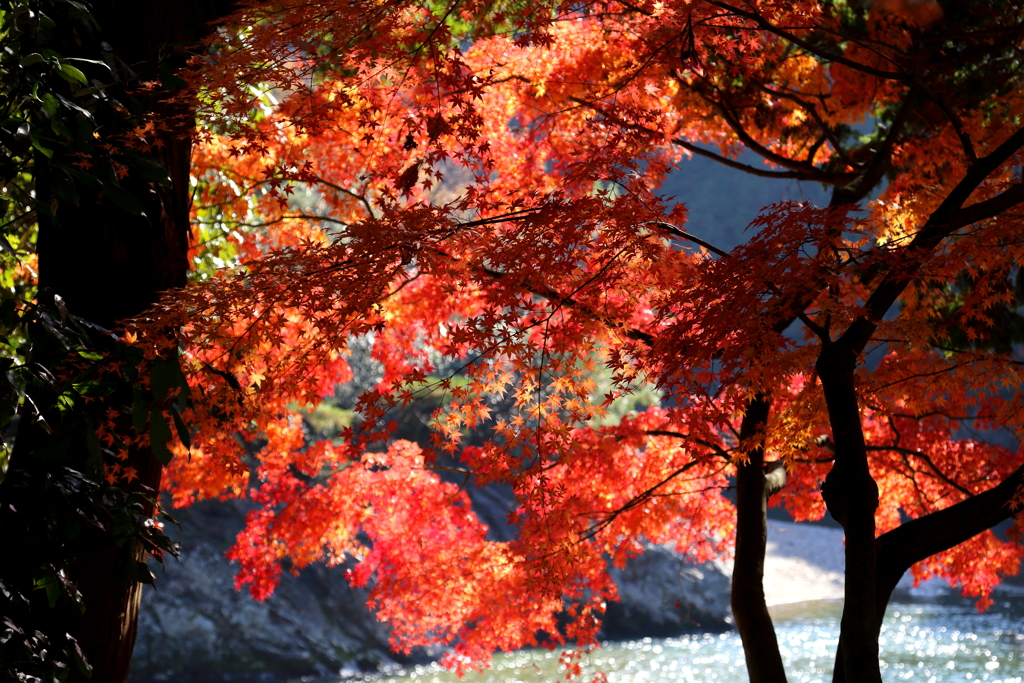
<point>852,498</point>
<point>749,609</point>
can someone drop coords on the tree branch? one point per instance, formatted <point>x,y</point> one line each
<point>990,207</point>
<point>939,531</point>
<point>682,234</point>
<point>827,132</point>
<point>764,24</point>
<point>931,464</point>
<point>746,168</point>
<point>948,217</point>
<point>730,116</point>
<point>718,450</point>
<point>355,195</point>
<point>635,501</point>
<point>774,478</point>
<point>808,172</point>
<point>874,170</point>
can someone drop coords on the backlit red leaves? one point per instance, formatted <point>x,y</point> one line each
<point>482,196</point>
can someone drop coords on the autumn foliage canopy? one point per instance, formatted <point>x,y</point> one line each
<point>476,185</point>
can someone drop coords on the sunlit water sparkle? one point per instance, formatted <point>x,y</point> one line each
<point>926,643</point>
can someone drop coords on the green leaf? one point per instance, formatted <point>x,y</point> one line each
<point>31,59</point>
<point>72,74</point>
<point>46,151</point>
<point>49,582</point>
<point>60,129</point>
<point>6,246</point>
<point>159,435</point>
<point>52,592</point>
<point>83,60</point>
<point>95,388</point>
<point>179,426</point>
<point>65,402</point>
<point>50,105</point>
<point>5,459</point>
<point>123,199</point>
<point>71,105</point>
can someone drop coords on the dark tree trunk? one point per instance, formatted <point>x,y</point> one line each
<point>108,264</point>
<point>919,539</point>
<point>849,489</point>
<point>749,609</point>
<point>852,498</point>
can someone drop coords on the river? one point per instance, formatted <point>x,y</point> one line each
<point>927,642</point>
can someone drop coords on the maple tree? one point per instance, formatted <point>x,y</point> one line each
<point>483,185</point>
<point>478,182</point>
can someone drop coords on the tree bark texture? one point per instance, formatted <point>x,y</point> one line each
<point>108,264</point>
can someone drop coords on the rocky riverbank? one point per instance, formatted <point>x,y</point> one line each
<point>195,628</point>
